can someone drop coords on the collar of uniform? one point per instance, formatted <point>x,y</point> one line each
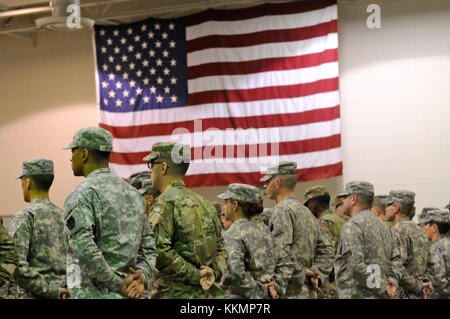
<point>40,199</point>
<point>240,221</point>
<point>288,197</point>
<point>403,220</point>
<point>179,183</point>
<point>362,211</point>
<point>99,171</point>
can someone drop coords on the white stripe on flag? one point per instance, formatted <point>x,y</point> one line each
<point>233,136</point>
<point>264,51</point>
<point>287,21</point>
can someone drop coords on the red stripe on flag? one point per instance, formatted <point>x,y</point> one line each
<point>218,179</point>
<point>266,93</point>
<point>258,11</point>
<point>263,121</point>
<point>285,148</point>
<point>263,65</point>
<point>262,37</point>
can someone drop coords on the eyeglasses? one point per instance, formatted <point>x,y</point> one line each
<point>150,164</point>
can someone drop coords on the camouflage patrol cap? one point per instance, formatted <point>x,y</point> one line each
<point>399,196</point>
<point>38,166</point>
<point>425,210</point>
<point>357,187</point>
<point>138,177</point>
<point>437,215</point>
<point>92,137</point>
<point>282,168</point>
<point>243,193</point>
<point>314,192</point>
<point>169,151</point>
<point>146,186</point>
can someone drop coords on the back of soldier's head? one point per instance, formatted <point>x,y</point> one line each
<point>40,171</point>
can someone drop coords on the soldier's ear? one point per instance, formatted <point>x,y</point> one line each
<point>28,183</point>
<point>164,168</point>
<point>85,154</point>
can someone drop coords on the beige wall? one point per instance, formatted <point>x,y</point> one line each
<point>395,102</point>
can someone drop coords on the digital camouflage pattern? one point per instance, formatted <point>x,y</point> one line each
<point>440,257</point>
<point>332,225</point>
<point>188,235</point>
<point>298,234</point>
<point>8,260</point>
<point>282,168</point>
<point>399,196</point>
<point>136,179</point>
<point>365,240</point>
<point>314,192</point>
<point>357,187</point>
<point>250,259</point>
<point>436,215</point>
<point>169,151</point>
<point>244,193</point>
<point>92,137</point>
<point>415,264</point>
<point>108,232</point>
<point>37,167</point>
<point>38,234</point>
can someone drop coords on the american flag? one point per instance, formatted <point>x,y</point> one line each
<point>245,88</point>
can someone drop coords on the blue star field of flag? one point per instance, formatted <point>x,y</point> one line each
<point>142,66</point>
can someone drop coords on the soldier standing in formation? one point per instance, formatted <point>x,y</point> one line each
<point>8,261</point>
<point>366,256</point>
<point>111,248</point>
<point>379,209</point>
<point>250,249</point>
<point>436,225</point>
<point>38,235</point>
<point>187,230</point>
<point>411,241</point>
<point>317,199</point>
<point>297,234</point>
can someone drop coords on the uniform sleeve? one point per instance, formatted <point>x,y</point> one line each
<point>80,224</point>
<point>280,225</point>
<point>408,282</point>
<point>8,260</point>
<point>242,282</point>
<point>169,262</point>
<point>220,262</point>
<point>440,281</point>
<point>324,255</point>
<point>27,277</point>
<point>147,253</point>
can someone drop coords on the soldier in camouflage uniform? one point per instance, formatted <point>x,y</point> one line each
<point>379,209</point>
<point>187,230</point>
<point>317,199</point>
<point>436,225</point>
<point>297,233</point>
<point>136,179</point>
<point>38,234</point>
<point>415,268</point>
<point>8,261</point>
<point>365,258</point>
<point>250,248</point>
<point>149,193</point>
<point>108,232</point>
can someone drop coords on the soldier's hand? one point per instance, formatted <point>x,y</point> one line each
<point>64,293</point>
<point>128,280</point>
<point>206,277</point>
<point>271,287</point>
<point>391,290</point>
<point>426,289</point>
<point>136,288</point>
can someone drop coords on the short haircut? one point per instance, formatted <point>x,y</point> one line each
<point>42,181</point>
<point>442,227</point>
<point>378,203</point>
<point>288,181</point>
<point>323,200</point>
<point>99,156</point>
<point>177,169</point>
<point>365,199</point>
<point>153,191</point>
<point>405,208</point>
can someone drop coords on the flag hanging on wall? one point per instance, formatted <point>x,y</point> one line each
<point>245,88</point>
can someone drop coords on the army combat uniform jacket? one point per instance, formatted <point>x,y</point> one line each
<point>298,233</point>
<point>415,267</point>
<point>8,260</point>
<point>440,256</point>
<point>38,234</point>
<point>250,259</point>
<point>188,235</point>
<point>365,257</point>
<point>108,232</point>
